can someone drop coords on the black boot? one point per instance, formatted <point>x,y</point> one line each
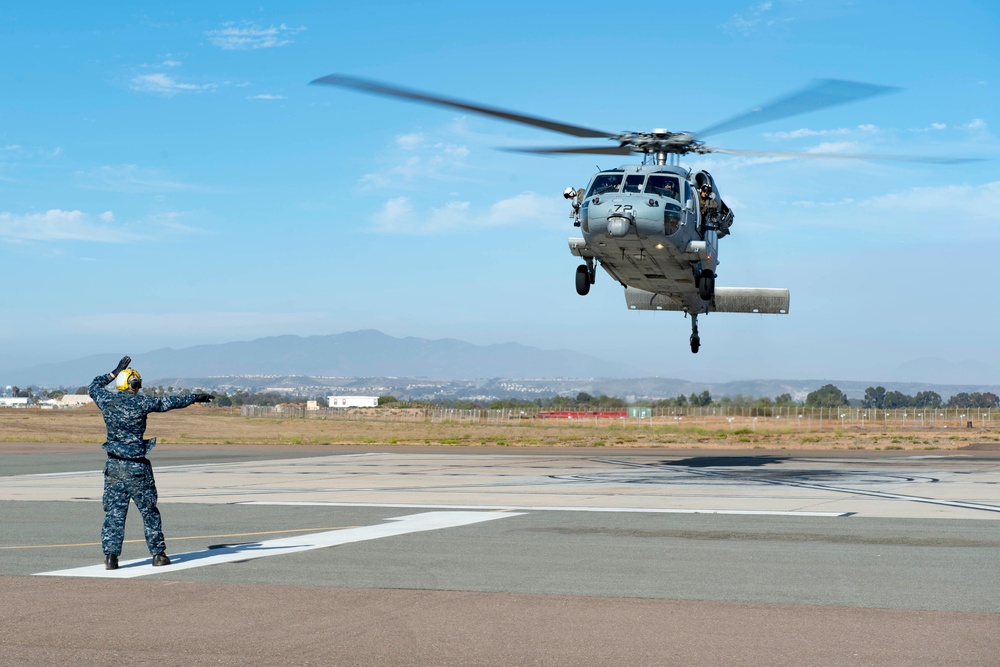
<point>110,561</point>
<point>160,559</point>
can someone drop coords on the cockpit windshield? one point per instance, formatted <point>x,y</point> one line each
<point>664,186</point>
<point>633,183</point>
<point>605,183</point>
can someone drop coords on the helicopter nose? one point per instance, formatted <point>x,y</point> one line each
<point>619,224</point>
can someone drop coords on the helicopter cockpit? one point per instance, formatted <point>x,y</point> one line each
<point>664,186</point>
<point>606,182</point>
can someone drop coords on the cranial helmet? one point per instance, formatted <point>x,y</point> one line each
<point>129,379</point>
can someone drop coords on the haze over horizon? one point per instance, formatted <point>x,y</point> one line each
<point>170,179</point>
<point>371,353</point>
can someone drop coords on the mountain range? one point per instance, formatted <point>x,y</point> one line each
<point>366,353</point>
<point>370,361</point>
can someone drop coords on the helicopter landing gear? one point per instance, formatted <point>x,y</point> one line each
<point>582,280</point>
<point>705,281</point>
<point>585,277</point>
<point>695,340</point>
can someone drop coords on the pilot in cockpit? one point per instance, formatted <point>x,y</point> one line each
<point>664,186</point>
<point>670,189</point>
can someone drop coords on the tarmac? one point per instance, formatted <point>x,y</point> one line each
<point>332,555</point>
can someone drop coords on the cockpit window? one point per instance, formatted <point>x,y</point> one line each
<point>664,186</point>
<point>633,182</point>
<point>605,183</point>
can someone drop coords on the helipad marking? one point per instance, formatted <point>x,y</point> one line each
<point>402,525</point>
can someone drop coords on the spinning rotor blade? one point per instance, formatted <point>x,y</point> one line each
<point>594,150</point>
<point>824,93</point>
<point>392,91</point>
<point>848,156</point>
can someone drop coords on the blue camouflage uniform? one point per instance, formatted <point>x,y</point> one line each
<point>128,473</point>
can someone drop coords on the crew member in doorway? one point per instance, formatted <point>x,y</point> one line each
<point>709,205</point>
<point>128,475</point>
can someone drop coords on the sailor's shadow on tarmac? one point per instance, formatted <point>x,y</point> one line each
<point>213,551</point>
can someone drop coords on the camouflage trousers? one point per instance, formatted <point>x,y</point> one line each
<point>124,481</point>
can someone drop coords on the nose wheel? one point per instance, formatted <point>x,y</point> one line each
<point>695,339</point>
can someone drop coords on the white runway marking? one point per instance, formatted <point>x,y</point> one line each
<point>402,525</point>
<point>644,510</point>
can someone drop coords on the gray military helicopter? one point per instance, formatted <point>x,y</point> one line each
<point>655,227</point>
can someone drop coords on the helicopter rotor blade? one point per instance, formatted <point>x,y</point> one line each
<point>822,94</point>
<point>847,156</point>
<point>367,86</point>
<point>581,150</point>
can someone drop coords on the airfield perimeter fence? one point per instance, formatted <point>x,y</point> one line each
<point>787,419</point>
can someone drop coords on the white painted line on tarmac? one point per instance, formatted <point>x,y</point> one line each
<point>402,525</point>
<point>569,508</point>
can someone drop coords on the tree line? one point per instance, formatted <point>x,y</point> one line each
<point>827,396</point>
<point>830,396</point>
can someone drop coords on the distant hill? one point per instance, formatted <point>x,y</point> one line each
<point>364,353</point>
<point>373,363</point>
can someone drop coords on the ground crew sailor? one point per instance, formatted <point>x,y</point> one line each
<point>128,473</point>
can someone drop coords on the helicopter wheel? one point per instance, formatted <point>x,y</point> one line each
<point>582,280</point>
<point>706,285</point>
<point>695,339</point>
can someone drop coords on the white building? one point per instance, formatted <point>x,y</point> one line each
<point>20,402</point>
<point>68,401</point>
<point>352,401</point>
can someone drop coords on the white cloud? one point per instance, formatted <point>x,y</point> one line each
<point>163,84</point>
<point>248,36</point>
<point>834,147</point>
<point>806,132</point>
<point>398,215</point>
<point>132,178</point>
<point>753,18</point>
<point>59,225</point>
<point>914,211</point>
<point>420,156</point>
<point>411,141</point>
<point>977,124</point>
<point>267,96</point>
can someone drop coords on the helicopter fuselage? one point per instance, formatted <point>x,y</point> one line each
<point>644,225</point>
<point>653,232</point>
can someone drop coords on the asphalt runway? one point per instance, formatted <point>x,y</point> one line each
<point>494,556</point>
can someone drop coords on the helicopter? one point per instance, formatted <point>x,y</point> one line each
<point>655,227</point>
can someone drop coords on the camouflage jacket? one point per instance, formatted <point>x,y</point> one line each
<point>125,415</point>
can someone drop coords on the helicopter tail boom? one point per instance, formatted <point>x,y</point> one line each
<point>764,300</point>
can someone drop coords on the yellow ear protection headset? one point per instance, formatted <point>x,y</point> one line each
<point>129,379</point>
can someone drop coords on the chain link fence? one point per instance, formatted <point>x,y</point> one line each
<point>791,418</point>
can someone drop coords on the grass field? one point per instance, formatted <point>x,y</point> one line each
<point>208,425</point>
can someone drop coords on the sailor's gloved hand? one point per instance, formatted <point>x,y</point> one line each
<point>122,365</point>
<point>203,398</point>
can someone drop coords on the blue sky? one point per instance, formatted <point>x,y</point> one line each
<point>168,178</point>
